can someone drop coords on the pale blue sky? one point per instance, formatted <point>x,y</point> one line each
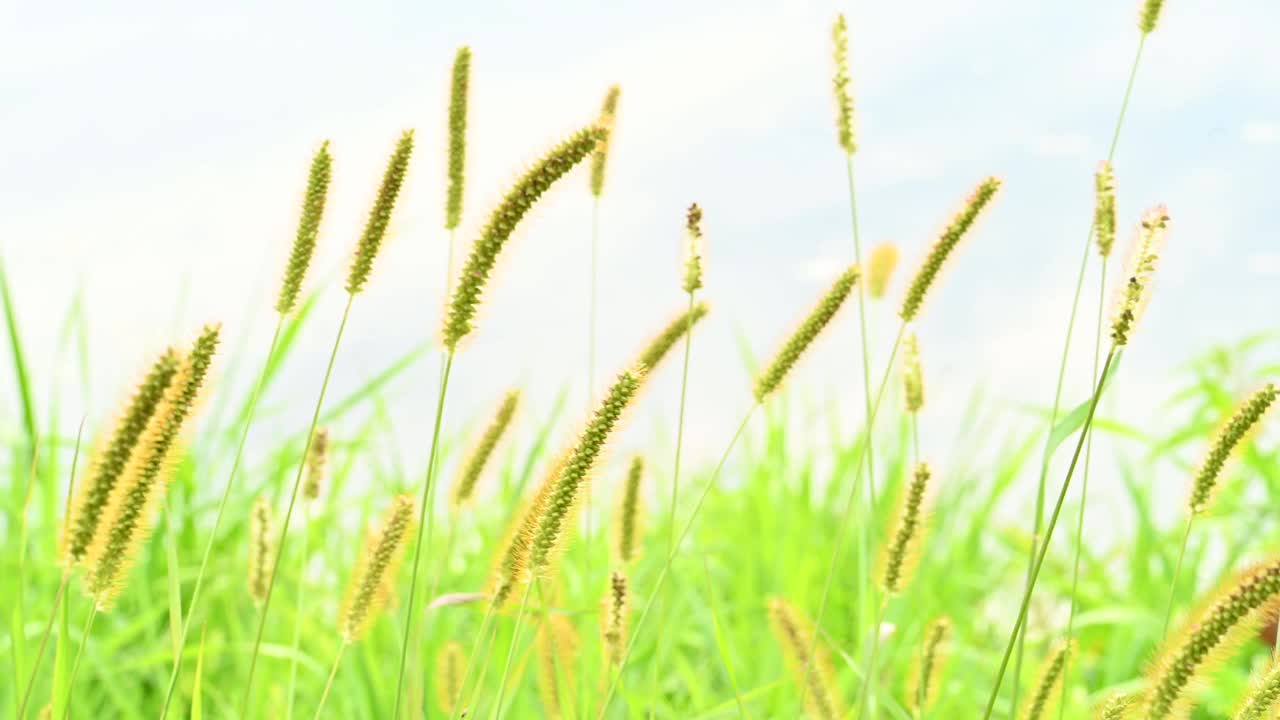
<point>148,145</point>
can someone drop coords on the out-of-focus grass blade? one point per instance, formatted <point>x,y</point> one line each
<point>173,573</point>
<point>60,652</point>
<point>21,377</point>
<point>1074,419</point>
<point>721,644</point>
<point>197,711</point>
<point>374,384</point>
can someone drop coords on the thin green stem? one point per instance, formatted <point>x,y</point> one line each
<point>288,515</point>
<point>1177,570</point>
<point>1084,489</point>
<point>472,658</point>
<point>298,613</point>
<point>75,664</point>
<point>511,650</point>
<point>328,684</point>
<point>846,517</point>
<point>666,566</point>
<point>864,695</point>
<point>427,514</point>
<point>217,520</point>
<point>1062,365</point>
<point>588,535</point>
<point>862,334</point>
<point>474,701</point>
<point>1053,523</point>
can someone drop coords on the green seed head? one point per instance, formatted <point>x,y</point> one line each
<point>457,137</point>
<point>614,619</point>
<point>261,550</point>
<point>375,230</point>
<point>929,665</point>
<point>693,249</point>
<point>317,460</point>
<point>841,83</point>
<point>519,200</point>
<point>599,158</point>
<point>628,522</point>
<point>912,374</point>
<point>1049,684</point>
<point>803,337</point>
<point>796,638</point>
<point>903,546</point>
<point>511,565</point>
<point>662,343</point>
<point>1260,702</point>
<point>1135,293</point>
<point>880,265</point>
<point>942,247</point>
<point>1246,418</point>
<point>1149,16</point>
<point>1115,707</point>
<point>1104,211</point>
<point>110,462</point>
<point>465,487</point>
<point>374,575</point>
<point>450,667</point>
<point>304,242</point>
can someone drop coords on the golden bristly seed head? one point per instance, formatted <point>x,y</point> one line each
<point>1235,433</point>
<point>451,665</point>
<point>457,137</point>
<point>841,83</point>
<point>557,648</point>
<point>1104,208</point>
<point>803,337</point>
<point>615,619</point>
<point>1149,16</point>
<point>599,158</point>
<point>375,229</point>
<point>693,250</point>
<point>261,550</point>
<point>628,519</point>
<point>511,564</point>
<point>375,571</point>
<point>662,343</point>
<point>1049,685</point>
<point>138,493</point>
<point>796,638</point>
<point>304,241</point>
<point>912,374</point>
<point>1115,707</point>
<point>928,671</point>
<point>1135,293</point>
<point>465,487</point>
<point>317,461</point>
<point>517,203</point>
<point>944,245</point>
<point>1264,693</point>
<point>880,266</point>
<point>105,471</point>
<point>901,551</point>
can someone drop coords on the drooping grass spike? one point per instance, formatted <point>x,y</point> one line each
<point>511,564</point>
<point>600,156</point>
<point>803,337</point>
<point>110,461</point>
<point>693,249</point>
<point>374,574</point>
<point>1149,16</point>
<point>304,241</point>
<point>261,549</point>
<point>796,638</point>
<point>450,662</point>
<point>661,344</point>
<point>627,544</point>
<point>912,374</point>
<point>903,546</point>
<point>137,495</point>
<point>457,137</point>
<point>317,461</point>
<point>502,223</point>
<point>944,245</point>
<point>375,229</point>
<point>930,665</point>
<point>1104,208</point>
<point>1143,259</point>
<point>881,263</point>
<point>614,618</point>
<point>465,487</point>
<point>1048,686</point>
<point>1264,693</point>
<point>841,83</point>
<point>1246,419</point>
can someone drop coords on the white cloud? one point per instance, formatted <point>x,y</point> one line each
<point>1260,133</point>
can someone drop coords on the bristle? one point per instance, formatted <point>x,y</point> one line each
<point>1264,692</point>
<point>661,344</point>
<point>881,263</point>
<point>261,549</point>
<point>803,337</point>
<point>512,562</point>
<point>912,374</point>
<point>451,664</point>
<point>375,230</point>
<point>841,83</point>
<point>796,637</point>
<point>693,250</point>
<point>944,245</point>
<point>1104,208</point>
<point>1048,686</point>
<point>1136,290</point>
<point>465,486</point>
<point>1149,16</point>
<point>900,551</point>
<point>600,157</point>
<point>1227,619</point>
<point>457,137</point>
<point>136,497</point>
<point>304,242</point>
<point>317,460</point>
<point>369,588</point>
<point>105,471</point>
<point>627,545</point>
<point>563,499</point>
<point>1246,418</point>
<point>615,619</point>
<point>557,648</point>
<point>502,223</point>
<point>930,665</point>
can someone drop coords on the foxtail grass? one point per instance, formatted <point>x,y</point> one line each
<point>1264,693</point>
<point>807,659</point>
<point>317,462</point>
<point>1116,707</point>
<point>449,663</point>
<point>261,549</point>
<point>459,89</point>
<point>881,263</point>
<point>628,531</point>
<point>614,618</point>
<point>930,665</point>
<point>1149,16</point>
<point>1049,684</point>
<point>557,646</point>
<point>475,464</point>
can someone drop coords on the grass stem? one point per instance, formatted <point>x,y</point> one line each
<point>511,650</point>
<point>75,664</point>
<point>1177,570</point>
<point>328,684</point>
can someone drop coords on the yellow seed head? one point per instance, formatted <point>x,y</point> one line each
<point>557,650</point>
<point>375,229</point>
<point>317,460</point>
<point>841,83</point>
<point>599,158</point>
<point>929,666</point>
<point>912,374</point>
<point>262,550</point>
<point>880,265</point>
<point>1264,693</point>
<point>803,337</point>
<point>1048,685</point>
<point>614,619</point>
<point>457,137</point>
<point>1246,419</point>
<point>900,553</point>
<point>1144,256</point>
<point>304,242</point>
<point>465,486</point>
<point>512,561</point>
<point>661,344</point>
<point>374,575</point>
<point>1149,15</point>
<point>1115,707</point>
<point>796,638</point>
<point>1104,208</point>
<point>451,665</point>
<point>944,245</point>
<point>627,545</point>
<point>693,249</point>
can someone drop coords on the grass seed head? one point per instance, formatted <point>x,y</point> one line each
<point>1048,686</point>
<point>841,83</point>
<point>465,487</point>
<point>796,638</point>
<point>262,550</point>
<point>1116,707</point>
<point>304,242</point>
<point>517,203</point>
<point>557,648</point>
<point>929,667</point>
<point>457,137</point>
<point>912,374</point>
<point>944,245</point>
<point>900,552</point>
<point>317,460</point>
<point>374,574</point>
<point>1104,208</point>
<point>1149,15</point>
<point>375,229</point>
<point>627,544</point>
<point>662,343</point>
<point>803,337</point>
<point>451,663</point>
<point>600,156</point>
<point>511,564</point>
<point>880,266</point>
<point>615,618</point>
<point>1242,423</point>
<point>110,462</point>
<point>1264,693</point>
<point>1144,256</point>
<point>693,249</point>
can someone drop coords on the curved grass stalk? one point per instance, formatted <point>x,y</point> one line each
<point>333,672</point>
<point>75,664</point>
<point>297,614</point>
<point>511,650</point>
<point>588,500</point>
